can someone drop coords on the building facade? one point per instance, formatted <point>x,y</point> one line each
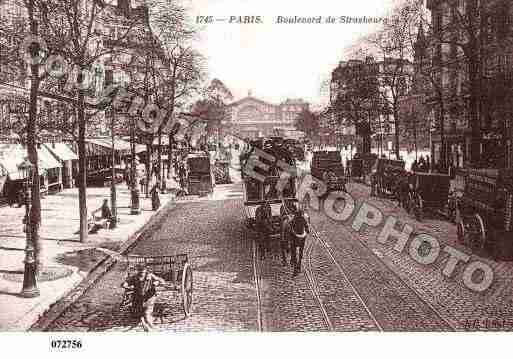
<point>451,50</point>
<point>251,117</point>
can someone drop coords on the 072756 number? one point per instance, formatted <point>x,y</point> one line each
<point>66,344</point>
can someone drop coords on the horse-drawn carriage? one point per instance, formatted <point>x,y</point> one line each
<point>386,175</point>
<point>263,186</point>
<point>430,192</point>
<point>327,166</point>
<point>360,165</point>
<point>199,174</point>
<point>271,203</point>
<point>486,212</point>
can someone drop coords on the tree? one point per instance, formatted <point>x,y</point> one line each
<point>393,47</point>
<point>308,123</point>
<point>77,27</point>
<point>213,107</point>
<point>413,122</point>
<point>359,101</point>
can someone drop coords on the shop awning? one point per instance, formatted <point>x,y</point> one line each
<point>119,144</point>
<point>12,155</point>
<point>46,159</point>
<point>62,151</point>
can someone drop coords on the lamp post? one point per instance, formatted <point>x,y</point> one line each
<point>29,289</point>
<point>113,202</point>
<point>134,179</point>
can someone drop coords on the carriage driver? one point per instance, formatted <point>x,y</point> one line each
<point>144,284</point>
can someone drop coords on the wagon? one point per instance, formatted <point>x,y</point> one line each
<point>327,166</point>
<point>199,174</point>
<point>385,176</point>
<point>174,269</point>
<point>361,165</point>
<point>486,208</point>
<point>430,193</point>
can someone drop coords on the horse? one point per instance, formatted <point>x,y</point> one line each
<point>294,231</point>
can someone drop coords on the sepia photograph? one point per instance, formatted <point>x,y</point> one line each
<point>255,170</point>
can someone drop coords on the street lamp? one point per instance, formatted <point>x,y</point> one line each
<point>29,275</point>
<point>134,179</point>
<point>113,202</point>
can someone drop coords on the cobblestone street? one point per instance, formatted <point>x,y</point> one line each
<point>461,307</point>
<point>349,281</point>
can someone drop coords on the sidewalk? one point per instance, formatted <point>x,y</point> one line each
<point>62,253</point>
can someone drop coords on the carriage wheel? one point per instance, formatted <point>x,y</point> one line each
<point>480,233</point>
<point>187,284</point>
<point>471,232</point>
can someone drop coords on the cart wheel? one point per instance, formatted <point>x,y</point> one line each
<point>480,233</point>
<point>187,284</point>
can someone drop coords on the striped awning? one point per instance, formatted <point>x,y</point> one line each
<point>106,143</point>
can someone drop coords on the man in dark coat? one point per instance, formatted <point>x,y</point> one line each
<point>155,199</point>
<point>264,226</point>
<point>143,284</point>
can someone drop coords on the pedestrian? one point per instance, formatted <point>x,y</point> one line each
<point>144,286</point>
<point>142,182</point>
<point>106,214</point>
<point>155,199</point>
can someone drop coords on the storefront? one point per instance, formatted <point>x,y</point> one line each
<point>12,155</point>
<point>68,159</point>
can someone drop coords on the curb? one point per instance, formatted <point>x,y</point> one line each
<point>62,304</point>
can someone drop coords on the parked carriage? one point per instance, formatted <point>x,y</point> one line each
<point>222,172</point>
<point>360,165</point>
<point>430,192</point>
<point>486,212</point>
<point>386,175</point>
<point>199,174</point>
<point>174,269</point>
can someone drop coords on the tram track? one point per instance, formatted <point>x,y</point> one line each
<point>314,287</point>
<point>256,277</point>
<point>404,291</point>
<point>326,248</point>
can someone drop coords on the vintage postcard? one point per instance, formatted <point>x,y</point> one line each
<point>178,166</point>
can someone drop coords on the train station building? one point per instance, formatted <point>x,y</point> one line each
<point>252,117</point>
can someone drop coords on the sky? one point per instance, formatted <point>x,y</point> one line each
<point>279,61</point>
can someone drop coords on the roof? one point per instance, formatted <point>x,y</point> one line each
<point>250,98</point>
<point>62,151</point>
<point>12,155</point>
